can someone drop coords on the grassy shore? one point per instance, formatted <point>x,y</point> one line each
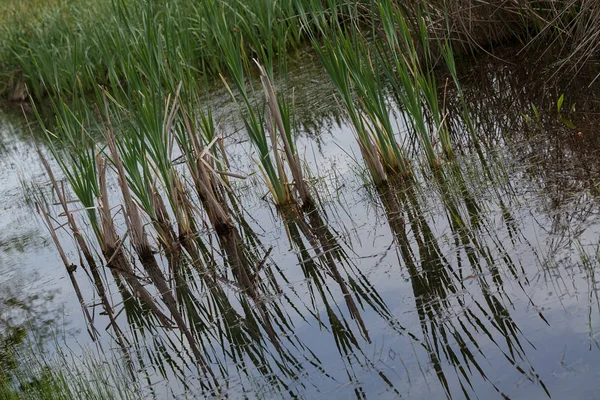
<point>49,44</point>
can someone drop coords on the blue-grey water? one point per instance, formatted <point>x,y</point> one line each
<point>475,282</point>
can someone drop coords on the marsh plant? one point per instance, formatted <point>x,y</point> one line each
<point>139,178</point>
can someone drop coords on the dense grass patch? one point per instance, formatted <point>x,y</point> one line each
<point>50,44</point>
<point>64,376</point>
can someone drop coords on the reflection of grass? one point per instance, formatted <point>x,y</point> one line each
<point>438,279</point>
<point>330,261</point>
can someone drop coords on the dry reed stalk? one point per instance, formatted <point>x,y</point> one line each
<point>278,158</point>
<point>142,247</point>
<point>230,241</point>
<point>479,25</point>
<point>186,224</point>
<point>292,158</point>
<point>87,255</point>
<point>371,155</point>
<point>162,223</point>
<point>207,183</point>
<point>70,270</point>
<point>112,248</point>
<point>181,208</point>
<point>207,187</point>
<point>169,240</point>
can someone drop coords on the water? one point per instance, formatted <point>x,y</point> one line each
<point>477,281</point>
<point>28,280</point>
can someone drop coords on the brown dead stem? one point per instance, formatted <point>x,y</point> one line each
<point>291,156</point>
<point>143,249</point>
<point>207,184</point>
<point>70,270</point>
<point>168,239</point>
<point>121,340</point>
<point>113,252</point>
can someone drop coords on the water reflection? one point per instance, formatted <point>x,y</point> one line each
<point>322,257</point>
<point>479,241</point>
<point>452,316</point>
<point>25,315</point>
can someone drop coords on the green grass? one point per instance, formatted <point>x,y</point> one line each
<point>126,83</point>
<point>65,376</point>
<point>56,42</point>
<point>78,41</point>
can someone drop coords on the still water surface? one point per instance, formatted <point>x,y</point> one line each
<point>477,281</point>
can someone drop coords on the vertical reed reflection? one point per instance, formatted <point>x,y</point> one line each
<point>322,257</point>
<point>455,319</point>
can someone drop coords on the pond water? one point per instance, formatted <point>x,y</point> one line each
<point>476,281</point>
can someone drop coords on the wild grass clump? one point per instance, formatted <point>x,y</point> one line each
<point>64,41</point>
<point>184,240</point>
<point>54,35</point>
<point>68,42</point>
<point>350,66</point>
<point>62,375</point>
<point>269,123</point>
<point>363,70</point>
<point>407,61</point>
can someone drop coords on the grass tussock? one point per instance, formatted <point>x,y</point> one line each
<point>64,376</point>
